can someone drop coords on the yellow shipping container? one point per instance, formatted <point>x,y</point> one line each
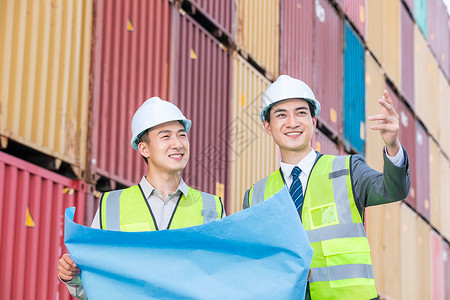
<point>410,285</point>
<point>423,259</point>
<point>44,87</point>
<point>444,175</point>
<point>444,113</point>
<point>392,232</point>
<point>425,83</point>
<point>253,153</point>
<point>374,224</point>
<point>258,32</point>
<point>383,35</point>
<point>375,86</point>
<point>435,182</point>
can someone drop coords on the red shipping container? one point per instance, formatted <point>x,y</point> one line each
<point>130,65</point>
<point>222,13</point>
<point>422,172</point>
<point>328,81</point>
<point>407,132</point>
<point>437,266</point>
<point>407,57</point>
<point>356,12</point>
<point>321,143</point>
<point>446,262</point>
<point>32,205</point>
<point>296,39</point>
<point>201,86</point>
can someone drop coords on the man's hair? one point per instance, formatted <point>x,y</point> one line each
<point>310,105</point>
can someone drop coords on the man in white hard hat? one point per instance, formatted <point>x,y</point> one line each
<point>161,200</point>
<point>330,192</point>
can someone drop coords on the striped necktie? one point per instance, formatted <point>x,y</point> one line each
<point>296,189</point>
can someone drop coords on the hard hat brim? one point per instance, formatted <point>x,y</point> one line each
<point>314,102</point>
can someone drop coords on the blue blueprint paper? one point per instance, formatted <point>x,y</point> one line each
<point>259,253</point>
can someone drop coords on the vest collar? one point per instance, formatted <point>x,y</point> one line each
<point>147,188</point>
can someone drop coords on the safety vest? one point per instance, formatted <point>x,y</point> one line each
<point>128,210</point>
<point>341,264</point>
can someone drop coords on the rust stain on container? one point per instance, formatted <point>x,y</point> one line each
<point>32,228</point>
<point>128,68</point>
<point>44,79</point>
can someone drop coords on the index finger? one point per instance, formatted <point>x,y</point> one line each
<point>69,260</point>
<point>387,97</point>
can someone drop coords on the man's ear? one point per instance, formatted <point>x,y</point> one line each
<point>314,121</point>
<point>143,149</point>
<point>267,128</point>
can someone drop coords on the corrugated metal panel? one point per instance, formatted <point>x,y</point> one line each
<point>328,74</point>
<point>220,12</point>
<point>407,130</point>
<point>297,39</point>
<point>374,225</point>
<point>437,267</point>
<point>438,31</point>
<point>391,40</point>
<point>407,57</point>
<point>443,104</point>
<point>446,259</point>
<point>32,203</point>
<point>375,85</point>
<point>44,86</point>
<point>131,57</point>
<point>201,87</point>
<point>445,200</point>
<point>422,172</point>
<point>356,12</point>
<point>374,38</point>
<point>354,91</point>
<point>409,255</point>
<point>410,5</point>
<point>253,152</point>
<point>323,144</point>
<point>421,15</point>
<point>435,190</point>
<point>425,83</point>
<point>423,259</point>
<point>258,32</point>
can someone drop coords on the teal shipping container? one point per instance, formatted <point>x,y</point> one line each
<point>421,15</point>
<point>354,92</point>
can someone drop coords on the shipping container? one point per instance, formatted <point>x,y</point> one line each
<point>354,91</point>
<point>321,143</point>
<point>44,81</point>
<point>423,259</point>
<point>222,13</point>
<point>407,56</point>
<point>375,85</point>
<point>438,32</point>
<point>410,5</point>
<point>130,65</point>
<point>437,266</point>
<point>32,204</point>
<point>443,104</point>
<point>297,39</point>
<point>406,134</point>
<point>258,32</point>
<point>425,84</point>
<point>421,15</point>
<point>435,182</point>
<point>446,259</point>
<point>356,12</point>
<point>374,28</point>
<point>200,85</point>
<point>253,152</point>
<point>328,66</point>
<point>422,172</point>
<point>445,199</point>
<point>409,256</point>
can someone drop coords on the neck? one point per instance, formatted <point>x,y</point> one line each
<point>166,183</point>
<point>294,157</point>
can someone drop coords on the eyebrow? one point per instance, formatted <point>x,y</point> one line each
<point>169,131</point>
<point>284,110</point>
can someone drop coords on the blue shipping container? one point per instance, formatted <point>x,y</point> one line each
<point>421,15</point>
<point>354,92</point>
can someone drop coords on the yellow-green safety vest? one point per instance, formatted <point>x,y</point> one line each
<point>341,264</point>
<point>128,210</point>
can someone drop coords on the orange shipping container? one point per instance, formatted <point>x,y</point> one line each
<point>45,49</point>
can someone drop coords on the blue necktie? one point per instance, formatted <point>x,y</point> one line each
<point>296,189</point>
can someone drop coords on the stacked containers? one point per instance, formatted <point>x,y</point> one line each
<point>32,203</point>
<point>253,152</point>
<point>354,91</point>
<point>201,82</point>
<point>437,267</point>
<point>297,39</point>
<point>220,12</point>
<point>409,258</point>
<point>421,15</point>
<point>438,32</point>
<point>44,85</point>
<point>445,200</point>
<point>407,56</point>
<point>355,10</point>
<point>422,172</point>
<point>321,143</point>
<point>423,259</point>
<point>258,34</point>
<point>328,65</point>
<point>443,104</point>
<point>131,64</point>
<point>435,191</point>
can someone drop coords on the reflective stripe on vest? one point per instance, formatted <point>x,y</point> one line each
<point>334,228</point>
<point>205,210</point>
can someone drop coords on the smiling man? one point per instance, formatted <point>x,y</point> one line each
<point>330,192</point>
<point>161,200</point>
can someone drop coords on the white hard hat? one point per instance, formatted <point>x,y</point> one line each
<point>153,112</point>
<point>286,87</point>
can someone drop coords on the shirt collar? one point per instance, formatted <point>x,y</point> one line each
<point>147,188</point>
<point>305,165</point>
